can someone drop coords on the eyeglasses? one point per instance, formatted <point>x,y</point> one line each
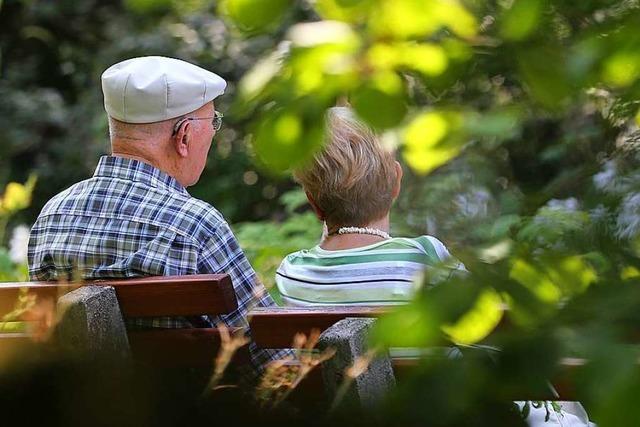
<point>216,121</point>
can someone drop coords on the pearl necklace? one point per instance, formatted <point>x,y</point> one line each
<point>361,230</point>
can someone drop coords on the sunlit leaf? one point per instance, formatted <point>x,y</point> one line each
<point>413,18</point>
<point>343,10</point>
<point>383,56</point>
<point>323,70</point>
<point>426,58</point>
<point>638,118</point>
<point>536,281</point>
<point>479,321</point>
<point>254,15</point>
<point>496,252</point>
<point>256,79</point>
<point>629,272</point>
<point>622,69</point>
<point>521,19</point>
<point>423,148</point>
<point>322,32</point>
<point>17,196</point>
<point>322,58</point>
<point>381,101</point>
<point>571,274</point>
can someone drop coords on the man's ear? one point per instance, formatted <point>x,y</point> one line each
<point>182,138</point>
<point>315,207</point>
<point>398,184</point>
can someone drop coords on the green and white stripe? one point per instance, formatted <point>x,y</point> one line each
<point>380,274</point>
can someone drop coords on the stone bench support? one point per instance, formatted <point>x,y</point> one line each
<point>90,323</point>
<point>349,338</point>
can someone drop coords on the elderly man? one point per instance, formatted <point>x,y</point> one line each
<point>134,217</point>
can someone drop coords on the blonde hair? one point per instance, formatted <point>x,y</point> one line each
<point>352,179</point>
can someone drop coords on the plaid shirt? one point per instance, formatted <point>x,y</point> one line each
<point>131,220</point>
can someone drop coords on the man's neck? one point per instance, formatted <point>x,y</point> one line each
<point>148,157</point>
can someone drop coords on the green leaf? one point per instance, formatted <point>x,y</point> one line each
<point>503,124</point>
<point>293,199</point>
<point>535,280</point>
<point>322,61</point>
<point>571,273</point>
<point>544,72</point>
<point>381,101</point>
<point>519,21</point>
<point>477,323</point>
<point>144,7</point>
<point>622,69</point>
<point>426,58</point>
<point>409,326</point>
<point>344,10</point>
<point>403,19</point>
<point>424,142</point>
<point>283,140</point>
<point>253,16</point>
<point>254,81</point>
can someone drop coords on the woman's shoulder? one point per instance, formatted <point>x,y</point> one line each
<point>429,245</point>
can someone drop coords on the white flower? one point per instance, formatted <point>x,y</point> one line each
<point>570,205</point>
<point>18,244</point>
<point>473,203</point>
<point>606,179</point>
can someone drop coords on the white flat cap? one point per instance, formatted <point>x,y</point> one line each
<point>154,88</point>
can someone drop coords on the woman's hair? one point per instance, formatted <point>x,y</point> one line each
<point>352,179</point>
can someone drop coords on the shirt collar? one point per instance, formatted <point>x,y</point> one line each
<point>136,170</point>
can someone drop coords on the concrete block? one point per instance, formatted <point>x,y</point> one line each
<point>90,323</point>
<point>349,338</point>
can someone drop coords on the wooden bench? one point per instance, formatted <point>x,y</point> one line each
<point>192,295</point>
<point>276,327</point>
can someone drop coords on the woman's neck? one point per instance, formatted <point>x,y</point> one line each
<point>336,242</point>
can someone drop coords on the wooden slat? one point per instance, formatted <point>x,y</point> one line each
<point>144,297</point>
<point>275,327</point>
<point>177,347</point>
<point>174,295</point>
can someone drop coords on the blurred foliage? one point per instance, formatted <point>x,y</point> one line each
<point>266,243</point>
<point>51,57</point>
<point>13,260</point>
<point>516,121</point>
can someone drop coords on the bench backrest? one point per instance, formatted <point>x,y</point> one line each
<point>191,295</point>
<point>143,297</point>
<point>275,327</point>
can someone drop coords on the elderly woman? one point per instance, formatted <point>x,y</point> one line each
<point>351,185</point>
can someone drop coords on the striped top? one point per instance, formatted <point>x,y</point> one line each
<point>383,273</point>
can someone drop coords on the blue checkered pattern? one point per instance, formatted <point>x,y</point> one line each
<point>131,219</point>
